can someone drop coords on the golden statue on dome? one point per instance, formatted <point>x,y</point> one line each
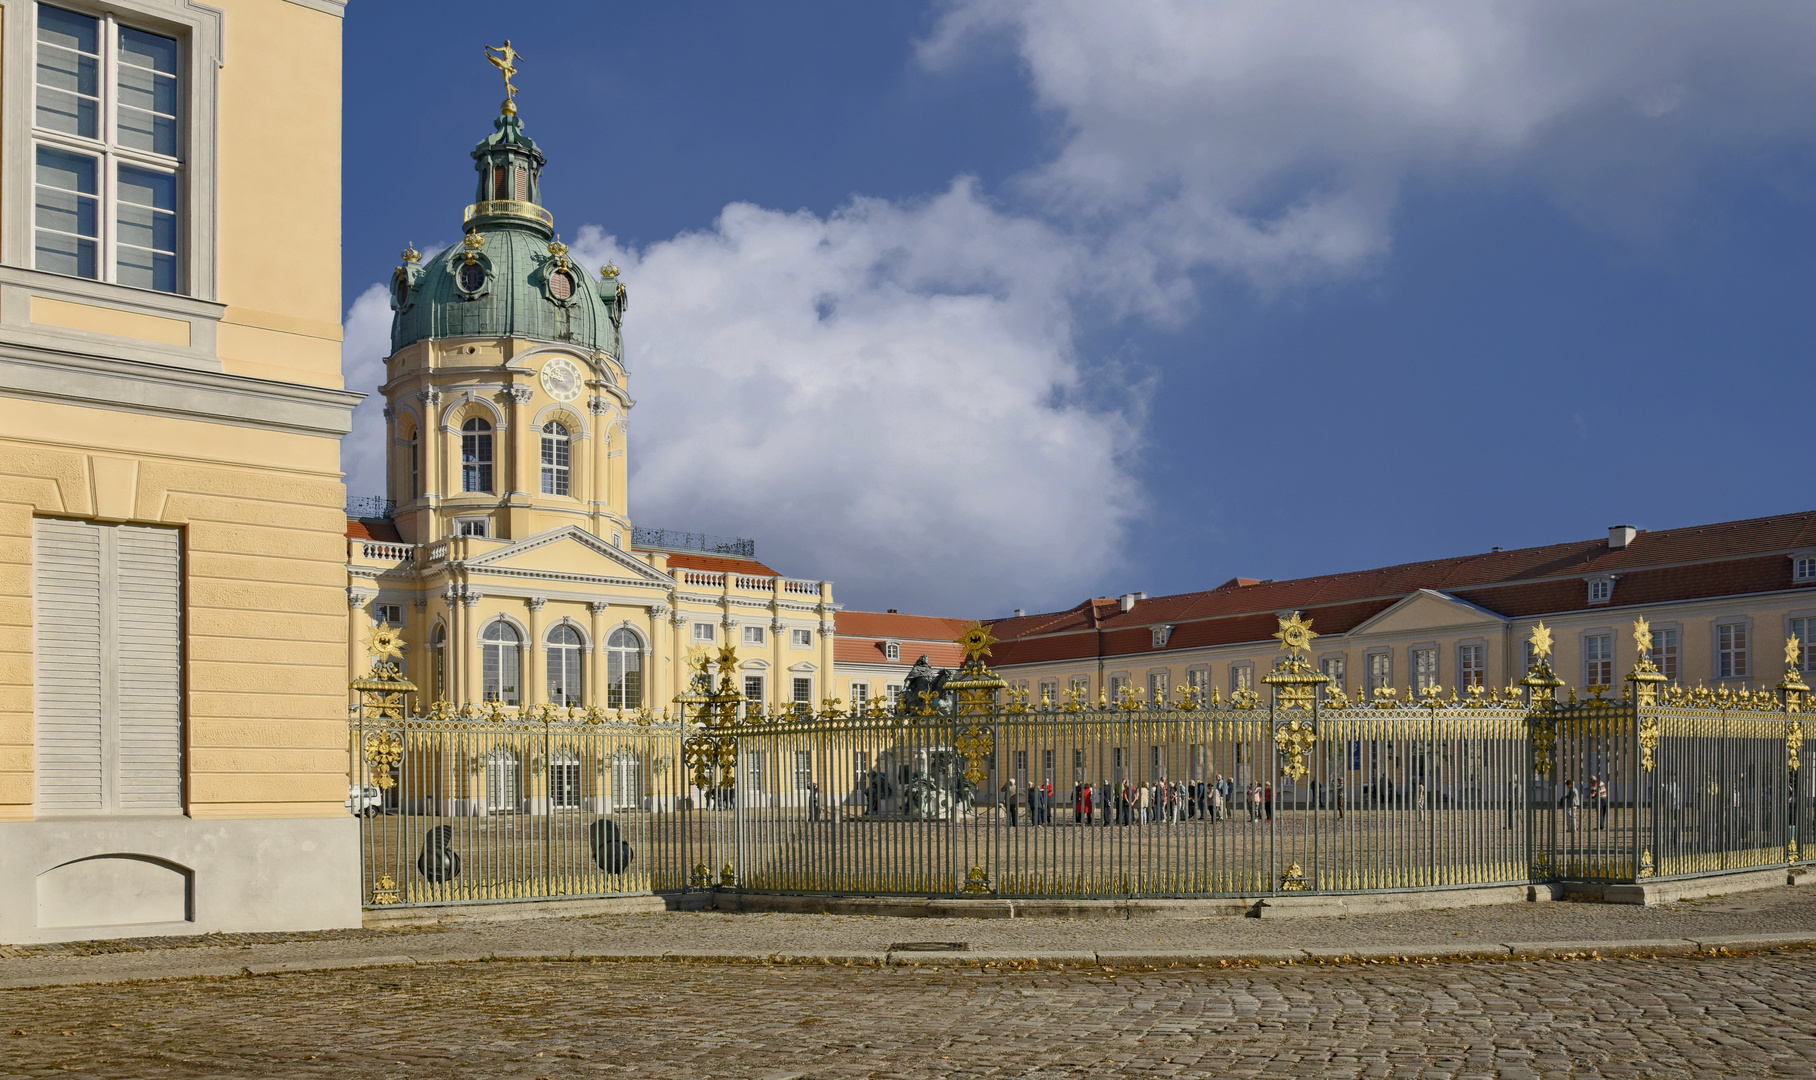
<point>505,58</point>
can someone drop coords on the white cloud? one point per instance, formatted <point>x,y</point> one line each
<point>1272,139</point>
<point>365,342</point>
<point>887,397</point>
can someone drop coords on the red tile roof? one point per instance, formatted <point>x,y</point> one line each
<point>716,563</point>
<point>380,529</point>
<point>861,635</point>
<point>1729,558</point>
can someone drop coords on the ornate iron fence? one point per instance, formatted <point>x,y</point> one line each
<point>977,792</point>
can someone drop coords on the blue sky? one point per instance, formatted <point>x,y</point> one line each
<point>988,304</point>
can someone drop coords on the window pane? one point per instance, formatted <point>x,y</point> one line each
<point>68,29</point>
<point>148,229</point>
<point>66,206</point>
<point>148,50</point>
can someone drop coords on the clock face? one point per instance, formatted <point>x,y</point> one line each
<point>561,379</point>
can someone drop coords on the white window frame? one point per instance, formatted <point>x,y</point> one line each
<point>1472,664</point>
<point>1161,635</point>
<point>892,650</point>
<point>497,692</point>
<point>1378,670</point>
<point>1427,670</point>
<point>894,692</point>
<point>755,635</point>
<point>1803,567</point>
<point>753,682</point>
<point>800,639</point>
<point>1335,668</point>
<point>704,633</point>
<point>557,449</point>
<point>1601,588</point>
<point>1598,658</point>
<point>1049,691</point>
<point>473,526</point>
<point>619,693</point>
<point>563,654</point>
<point>1669,658</point>
<point>1737,657</point>
<point>382,613</point>
<point>860,694</point>
<point>1242,677</point>
<point>198,31</point>
<point>796,691</point>
<point>1801,627</point>
<point>1160,684</point>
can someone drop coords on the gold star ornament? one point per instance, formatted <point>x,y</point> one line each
<point>976,641</point>
<point>385,641</point>
<point>1792,649</point>
<point>1540,641</point>
<point>1642,636</point>
<point>1295,633</point>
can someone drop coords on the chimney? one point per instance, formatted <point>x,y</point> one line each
<point>1141,596</point>
<point>1020,611</point>
<point>1619,536</point>
<point>892,611</point>
<point>1128,600</point>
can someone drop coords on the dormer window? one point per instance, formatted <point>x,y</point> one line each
<point>1161,635</point>
<point>1601,589</point>
<point>1803,568</point>
<point>892,650</point>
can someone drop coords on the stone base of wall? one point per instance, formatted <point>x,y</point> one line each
<point>1666,892</point>
<point>74,879</point>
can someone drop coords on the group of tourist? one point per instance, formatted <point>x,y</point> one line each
<point>1149,802</point>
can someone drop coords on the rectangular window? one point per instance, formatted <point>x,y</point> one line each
<point>801,639</point>
<point>803,769</point>
<point>860,695</point>
<point>1731,651</point>
<point>1664,652</point>
<point>1081,688</point>
<point>471,527</point>
<point>894,692</point>
<point>860,765</point>
<point>1598,660</point>
<point>1380,671</point>
<point>1049,692</point>
<point>1157,688</point>
<point>1803,568</point>
<point>106,155</point>
<point>1424,669</point>
<point>752,780</point>
<point>1332,667</point>
<point>1117,765</point>
<point>753,688</point>
<point>476,456</point>
<point>1532,656</point>
<point>1472,665</point>
<point>1119,687</point>
<point>1242,677</point>
<point>1078,766</point>
<point>1046,761</point>
<point>107,639</point>
<point>1021,768</point>
<point>1599,591</point>
<point>803,694</point>
<point>1199,679</point>
<point>1155,764</point>
<point>388,613</point>
<point>705,632</point>
<point>753,635</point>
<point>1806,649</point>
<point>557,467</point>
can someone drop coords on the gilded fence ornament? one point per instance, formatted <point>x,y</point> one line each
<point>728,876</point>
<point>383,751</point>
<point>1384,697</point>
<point>1544,741</point>
<point>1245,699</point>
<point>382,693</point>
<point>1334,697</point>
<point>1646,868</point>
<point>977,744</point>
<point>976,880</point>
<point>974,687</point>
<point>1648,743</point>
<point>1295,740</point>
<point>1130,698</point>
<point>1293,678</point>
<point>1793,742</point>
<point>1294,878</point>
<point>1792,687</point>
<point>384,890</point>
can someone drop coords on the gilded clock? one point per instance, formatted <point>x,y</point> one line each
<point>562,379</point>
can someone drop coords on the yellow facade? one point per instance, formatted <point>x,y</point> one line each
<point>213,407</point>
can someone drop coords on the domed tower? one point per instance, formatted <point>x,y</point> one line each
<point>506,382</point>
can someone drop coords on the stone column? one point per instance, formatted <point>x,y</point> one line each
<point>469,660</point>
<point>536,679</point>
<point>595,676</point>
<point>599,485</point>
<point>356,609</point>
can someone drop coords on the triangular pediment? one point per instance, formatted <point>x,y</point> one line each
<point>569,550</point>
<point>1425,610</point>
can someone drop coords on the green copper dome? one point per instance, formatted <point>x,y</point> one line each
<point>510,276</point>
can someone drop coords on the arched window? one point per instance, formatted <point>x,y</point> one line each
<point>564,666</point>
<point>438,663</point>
<point>415,464</point>
<point>555,446</point>
<point>476,455</point>
<point>623,670</point>
<point>503,663</point>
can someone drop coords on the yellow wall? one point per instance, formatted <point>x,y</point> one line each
<point>264,574</point>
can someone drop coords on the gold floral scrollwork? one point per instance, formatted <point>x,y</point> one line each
<point>1295,740</point>
<point>1646,869</point>
<point>703,877</point>
<point>728,876</point>
<point>1294,878</point>
<point>1790,850</point>
<point>1793,742</point>
<point>382,752</point>
<point>1541,865</point>
<point>1648,743</point>
<point>1245,699</point>
<point>976,880</point>
<point>384,890</point>
<point>1544,741</point>
<point>977,744</point>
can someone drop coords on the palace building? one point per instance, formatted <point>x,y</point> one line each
<point>508,555</point>
<point>1721,600</point>
<point>173,748</point>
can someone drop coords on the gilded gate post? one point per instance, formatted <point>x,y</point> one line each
<point>383,695</point>
<point>1793,693</point>
<point>1541,716</point>
<point>974,691</point>
<point>1643,685</point>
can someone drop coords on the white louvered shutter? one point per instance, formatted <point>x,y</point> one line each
<point>148,648</point>
<point>107,608</point>
<point>66,659</point>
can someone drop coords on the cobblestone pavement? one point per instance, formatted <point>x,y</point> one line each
<point>1695,1017</point>
<point>1766,912</point>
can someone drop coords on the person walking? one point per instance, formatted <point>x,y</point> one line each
<point>1009,801</point>
<point>1513,802</point>
<point>1341,798</point>
<point>1571,801</point>
<point>1418,798</point>
<point>1086,804</point>
<point>813,800</point>
<point>1598,792</point>
<point>1254,803</point>
<point>1267,800</point>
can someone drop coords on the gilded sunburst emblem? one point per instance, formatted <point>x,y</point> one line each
<point>1642,635</point>
<point>1541,641</point>
<point>976,641</point>
<point>385,641</point>
<point>1295,633</point>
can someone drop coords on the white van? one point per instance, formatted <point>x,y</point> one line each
<point>365,801</point>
